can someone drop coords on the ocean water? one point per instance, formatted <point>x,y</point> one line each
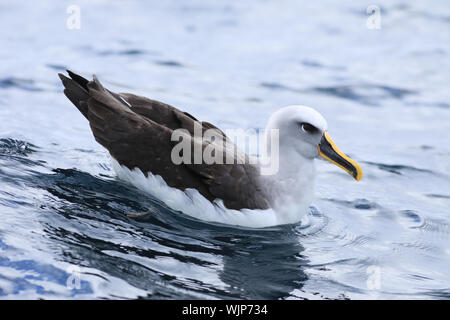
<point>64,229</point>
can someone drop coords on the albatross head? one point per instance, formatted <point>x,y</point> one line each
<point>303,134</point>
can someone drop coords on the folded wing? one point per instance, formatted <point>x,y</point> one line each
<point>137,133</point>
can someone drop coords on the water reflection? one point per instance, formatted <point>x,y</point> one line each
<point>264,264</point>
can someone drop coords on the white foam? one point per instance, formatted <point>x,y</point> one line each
<point>192,203</point>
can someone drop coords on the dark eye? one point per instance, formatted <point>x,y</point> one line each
<point>309,128</point>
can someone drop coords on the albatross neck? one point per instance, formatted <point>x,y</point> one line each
<point>293,184</point>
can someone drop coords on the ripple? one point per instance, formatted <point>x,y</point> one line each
<point>169,63</point>
<point>438,293</point>
<point>278,86</point>
<point>315,64</point>
<point>412,219</point>
<point>368,94</point>
<point>437,226</point>
<point>82,190</point>
<point>126,52</point>
<point>358,241</point>
<point>17,151</point>
<point>19,83</point>
<point>396,168</point>
<point>57,67</point>
<point>312,223</point>
<point>438,104</point>
<point>438,196</point>
<point>10,146</point>
<point>361,204</point>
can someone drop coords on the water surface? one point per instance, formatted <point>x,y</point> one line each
<point>64,231</point>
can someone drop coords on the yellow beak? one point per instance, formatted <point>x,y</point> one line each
<point>329,151</point>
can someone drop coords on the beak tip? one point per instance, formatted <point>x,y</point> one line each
<point>359,174</point>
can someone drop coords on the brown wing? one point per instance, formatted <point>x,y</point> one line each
<point>137,133</point>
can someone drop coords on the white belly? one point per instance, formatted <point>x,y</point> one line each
<point>192,203</point>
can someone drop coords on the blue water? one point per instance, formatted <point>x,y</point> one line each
<point>64,232</point>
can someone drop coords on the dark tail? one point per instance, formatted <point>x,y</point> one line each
<point>76,90</point>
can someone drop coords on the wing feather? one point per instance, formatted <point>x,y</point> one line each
<point>138,134</point>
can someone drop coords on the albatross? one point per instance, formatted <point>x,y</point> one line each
<point>138,134</point>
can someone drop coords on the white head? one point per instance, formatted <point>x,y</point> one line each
<point>300,130</point>
<point>303,136</point>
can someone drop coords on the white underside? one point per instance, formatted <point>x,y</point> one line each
<point>192,203</point>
